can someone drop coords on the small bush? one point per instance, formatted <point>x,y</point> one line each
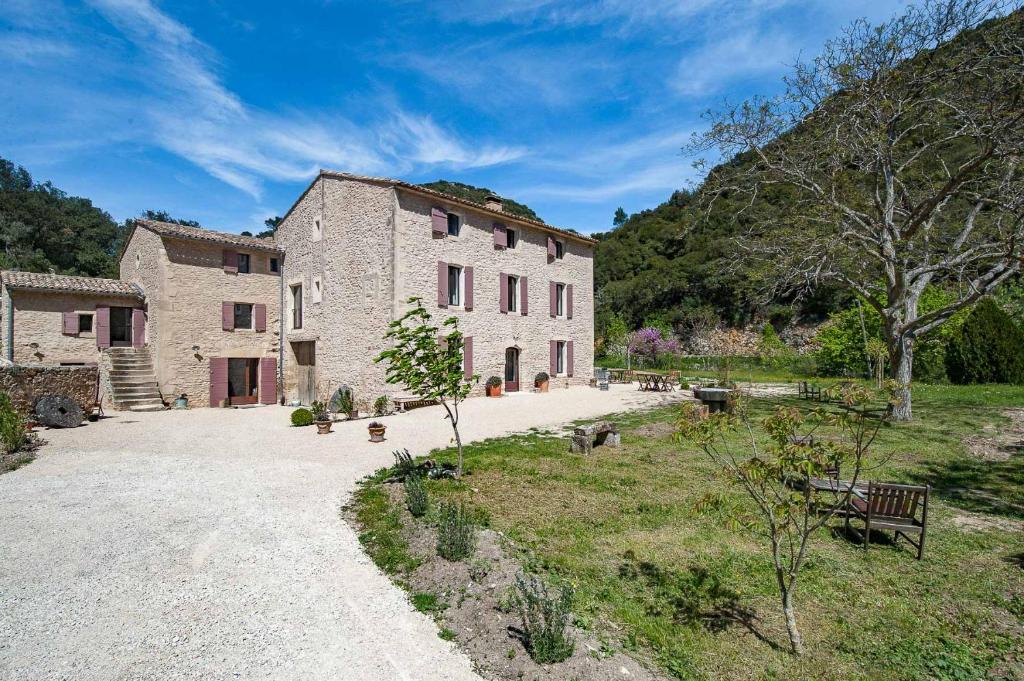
<point>416,498</point>
<point>542,377</point>
<point>12,428</point>
<point>989,348</point>
<point>319,411</point>
<point>381,406</point>
<point>302,417</point>
<point>404,465</point>
<point>546,617</point>
<point>493,382</point>
<point>456,532</point>
<point>346,403</point>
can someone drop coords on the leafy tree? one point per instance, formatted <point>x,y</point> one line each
<point>620,217</point>
<point>272,225</point>
<point>774,477</point>
<point>164,216</point>
<point>427,361</point>
<point>898,151</point>
<point>988,349</point>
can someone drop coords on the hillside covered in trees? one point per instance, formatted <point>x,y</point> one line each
<point>478,194</point>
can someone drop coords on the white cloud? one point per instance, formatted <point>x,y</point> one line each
<point>32,49</point>
<point>741,55</point>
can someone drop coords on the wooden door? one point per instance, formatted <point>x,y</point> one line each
<point>121,327</point>
<point>305,367</point>
<point>243,380</point>
<point>511,370</point>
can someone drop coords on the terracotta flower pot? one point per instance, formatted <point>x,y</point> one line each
<point>542,386</point>
<point>324,427</point>
<point>494,391</point>
<point>377,434</point>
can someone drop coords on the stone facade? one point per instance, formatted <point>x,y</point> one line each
<point>37,332</point>
<point>375,248</point>
<point>185,285</point>
<point>26,384</point>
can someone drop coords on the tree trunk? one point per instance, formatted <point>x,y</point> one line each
<point>458,444</point>
<point>795,642</point>
<point>902,363</point>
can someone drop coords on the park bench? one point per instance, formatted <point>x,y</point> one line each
<point>888,506</point>
<point>808,391</point>
<point>404,402</point>
<point>585,438</point>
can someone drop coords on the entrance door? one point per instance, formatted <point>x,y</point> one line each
<point>511,370</point>
<point>243,383</point>
<point>305,361</point>
<point>121,327</point>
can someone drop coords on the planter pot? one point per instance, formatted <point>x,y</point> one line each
<point>324,427</point>
<point>377,434</point>
<point>181,403</point>
<point>494,391</point>
<point>542,387</point>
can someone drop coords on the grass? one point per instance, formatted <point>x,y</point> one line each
<point>696,595</point>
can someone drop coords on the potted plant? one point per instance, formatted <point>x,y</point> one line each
<point>321,418</point>
<point>541,381</point>
<point>493,386</point>
<point>181,402</point>
<point>381,406</point>
<point>376,429</point>
<point>347,405</point>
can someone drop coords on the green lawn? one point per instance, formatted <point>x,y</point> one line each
<point>695,594</point>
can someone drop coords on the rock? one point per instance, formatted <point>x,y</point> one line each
<point>59,411</point>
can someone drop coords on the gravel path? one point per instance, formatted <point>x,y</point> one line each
<point>207,544</point>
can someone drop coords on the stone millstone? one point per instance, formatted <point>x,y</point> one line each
<point>59,411</point>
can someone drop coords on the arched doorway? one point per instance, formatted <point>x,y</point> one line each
<point>511,370</point>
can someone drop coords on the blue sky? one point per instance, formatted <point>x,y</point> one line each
<point>223,111</point>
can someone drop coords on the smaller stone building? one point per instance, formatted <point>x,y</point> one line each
<point>62,320</point>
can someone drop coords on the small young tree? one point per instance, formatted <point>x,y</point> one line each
<point>428,362</point>
<point>775,477</point>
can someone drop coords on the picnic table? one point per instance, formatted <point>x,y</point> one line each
<point>654,382</point>
<point>619,375</point>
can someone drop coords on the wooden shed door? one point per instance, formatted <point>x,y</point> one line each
<point>305,361</point>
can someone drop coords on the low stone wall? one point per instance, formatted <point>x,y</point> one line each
<point>27,383</point>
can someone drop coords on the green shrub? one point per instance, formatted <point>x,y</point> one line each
<point>381,405</point>
<point>989,348</point>
<point>546,617</point>
<point>12,427</point>
<point>404,465</point>
<point>416,498</point>
<point>319,411</point>
<point>302,417</point>
<point>456,532</point>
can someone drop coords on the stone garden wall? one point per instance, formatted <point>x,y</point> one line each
<point>27,383</point>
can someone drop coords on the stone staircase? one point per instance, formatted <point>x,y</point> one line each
<point>133,384</point>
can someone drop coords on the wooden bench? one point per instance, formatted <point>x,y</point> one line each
<point>808,392</point>
<point>584,439</point>
<point>887,506</point>
<point>404,402</point>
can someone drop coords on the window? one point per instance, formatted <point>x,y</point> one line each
<point>84,323</point>
<point>511,238</point>
<point>513,293</point>
<point>297,306</point>
<point>559,300</point>
<point>454,286</point>
<point>318,293</point>
<point>318,228</point>
<point>560,358</point>
<point>243,315</point>
<point>559,250</point>
<point>454,224</point>
<point>275,266</point>
<point>243,263</point>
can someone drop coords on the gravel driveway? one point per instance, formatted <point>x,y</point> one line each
<point>207,544</point>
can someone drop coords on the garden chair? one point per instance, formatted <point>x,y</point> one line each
<point>888,506</point>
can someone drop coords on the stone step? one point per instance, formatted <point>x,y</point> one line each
<point>139,393</point>
<point>118,364</point>
<point>129,402</point>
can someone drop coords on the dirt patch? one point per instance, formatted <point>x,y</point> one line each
<point>978,522</point>
<point>469,601</point>
<point>655,429</point>
<point>1003,444</point>
<point>12,461</point>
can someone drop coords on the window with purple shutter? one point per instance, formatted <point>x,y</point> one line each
<point>553,365</point>
<point>551,247</point>
<point>230,261</point>
<point>568,358</point>
<point>268,380</point>
<point>260,314</point>
<point>503,292</point>
<point>442,283</point>
<point>553,299</point>
<point>467,357</point>
<point>523,306</point>
<point>218,380</point>
<point>568,301</point>
<point>138,328</point>
<point>439,221</point>
<point>500,235</point>
<point>70,327</point>
<point>227,316</point>
<point>467,284</point>
<point>103,327</point>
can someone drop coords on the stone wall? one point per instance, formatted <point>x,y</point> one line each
<point>25,384</point>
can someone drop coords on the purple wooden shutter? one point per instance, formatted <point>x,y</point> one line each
<point>568,301</point>
<point>103,327</point>
<point>227,316</point>
<point>551,246</point>
<point>467,354</point>
<point>503,292</point>
<point>439,221</point>
<point>218,380</point>
<point>138,328</point>
<point>442,283</point>
<point>568,358</point>
<point>553,299</point>
<point>268,380</point>
<point>523,298</point>
<point>260,312</point>
<point>70,324</point>
<point>553,368</point>
<point>467,273</point>
<point>500,235</point>
<point>230,260</point>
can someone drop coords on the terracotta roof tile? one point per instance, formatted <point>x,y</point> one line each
<point>175,231</point>
<point>64,283</point>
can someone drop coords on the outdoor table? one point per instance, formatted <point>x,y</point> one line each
<point>617,375</point>
<point>652,381</point>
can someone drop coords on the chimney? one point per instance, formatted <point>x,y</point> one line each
<point>492,202</point>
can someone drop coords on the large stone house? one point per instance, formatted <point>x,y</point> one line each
<point>229,319</point>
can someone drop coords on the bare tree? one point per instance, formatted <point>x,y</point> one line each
<point>893,160</point>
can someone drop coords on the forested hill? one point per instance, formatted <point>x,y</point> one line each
<point>478,194</point>
<point>43,229</point>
